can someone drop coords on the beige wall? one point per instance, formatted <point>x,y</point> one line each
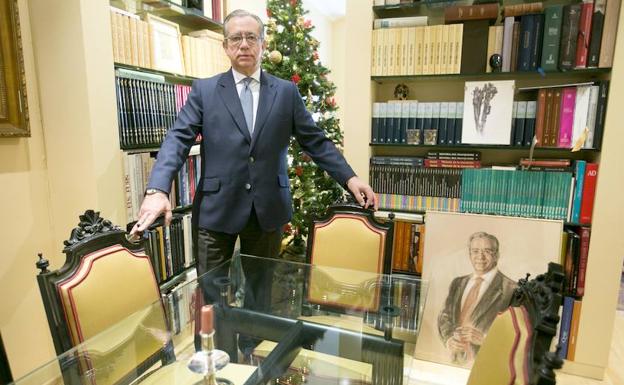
<point>25,230</point>
<point>70,163</point>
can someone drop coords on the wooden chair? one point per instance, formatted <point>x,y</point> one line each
<point>516,348</point>
<point>106,298</point>
<point>349,250</point>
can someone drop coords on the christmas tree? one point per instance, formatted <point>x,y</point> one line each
<point>292,53</point>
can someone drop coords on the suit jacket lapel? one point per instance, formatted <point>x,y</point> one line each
<point>230,98</point>
<point>265,104</point>
<point>490,297</point>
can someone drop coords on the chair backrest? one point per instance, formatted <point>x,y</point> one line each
<point>106,281</point>
<point>516,348</point>
<point>348,249</point>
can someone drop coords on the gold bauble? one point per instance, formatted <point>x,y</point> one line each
<point>275,57</point>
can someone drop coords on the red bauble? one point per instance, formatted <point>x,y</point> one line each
<point>307,23</point>
<point>315,55</point>
<point>269,13</point>
<point>296,78</point>
<point>299,170</point>
<point>293,3</point>
<point>287,228</point>
<point>306,157</point>
<point>330,102</point>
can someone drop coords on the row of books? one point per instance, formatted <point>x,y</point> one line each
<point>410,180</point>
<point>571,116</point>
<point>416,184</point>
<point>180,303</point>
<point>136,43</point>
<point>408,247</point>
<point>413,122</point>
<point>203,54</point>
<point>425,50</point>
<point>137,168</point>
<point>146,108</point>
<point>532,194</point>
<point>170,248</point>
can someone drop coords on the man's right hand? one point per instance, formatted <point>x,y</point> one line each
<point>152,207</point>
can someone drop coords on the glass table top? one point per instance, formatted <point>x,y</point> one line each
<point>274,321</point>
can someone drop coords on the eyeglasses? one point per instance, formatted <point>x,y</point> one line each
<point>236,40</point>
<point>487,251</point>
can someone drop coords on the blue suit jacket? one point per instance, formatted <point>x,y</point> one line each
<point>239,170</point>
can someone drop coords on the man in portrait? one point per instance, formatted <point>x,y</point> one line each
<point>474,300</point>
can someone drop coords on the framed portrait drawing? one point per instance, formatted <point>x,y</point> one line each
<point>487,112</point>
<point>166,45</point>
<point>13,103</point>
<point>472,263</point>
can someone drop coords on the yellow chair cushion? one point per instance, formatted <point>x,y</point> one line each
<point>347,254</point>
<point>107,289</point>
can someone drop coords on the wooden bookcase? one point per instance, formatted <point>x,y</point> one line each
<point>606,250</point>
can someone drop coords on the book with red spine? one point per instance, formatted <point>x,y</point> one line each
<point>589,192</point>
<point>582,43</point>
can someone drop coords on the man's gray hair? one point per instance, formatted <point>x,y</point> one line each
<point>483,234</point>
<point>243,13</point>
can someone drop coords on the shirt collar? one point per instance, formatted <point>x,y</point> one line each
<point>487,277</point>
<point>238,77</point>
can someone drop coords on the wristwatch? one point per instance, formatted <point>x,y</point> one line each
<point>152,191</point>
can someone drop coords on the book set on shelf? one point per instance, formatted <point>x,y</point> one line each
<point>463,38</point>
<point>426,152</point>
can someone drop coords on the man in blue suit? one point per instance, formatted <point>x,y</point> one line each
<point>246,118</point>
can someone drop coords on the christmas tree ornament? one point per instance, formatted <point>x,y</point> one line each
<point>275,57</point>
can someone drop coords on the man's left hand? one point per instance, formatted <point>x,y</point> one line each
<point>362,192</point>
<point>472,335</point>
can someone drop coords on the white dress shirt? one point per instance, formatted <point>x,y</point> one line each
<point>487,280</point>
<point>255,89</point>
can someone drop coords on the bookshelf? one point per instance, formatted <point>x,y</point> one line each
<point>149,97</point>
<point>605,252</point>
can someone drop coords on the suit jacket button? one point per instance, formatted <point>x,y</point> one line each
<point>251,159</point>
<point>247,186</point>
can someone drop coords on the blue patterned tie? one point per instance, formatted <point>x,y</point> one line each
<point>246,99</point>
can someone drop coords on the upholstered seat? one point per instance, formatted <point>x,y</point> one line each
<point>516,348</point>
<point>105,299</point>
<point>349,250</point>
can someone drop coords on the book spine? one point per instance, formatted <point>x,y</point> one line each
<point>507,43</point>
<point>568,101</point>
<point>540,117</point>
<point>527,31</point>
<point>529,124</point>
<point>574,326</point>
<point>578,191</point>
<point>589,192</point>
<point>601,113</point>
<point>552,37</point>
<point>536,43</point>
<point>583,39</point>
<point>595,39</point>
<point>522,9</point>
<point>470,12</point>
<point>564,330</point>
<point>584,233</point>
<point>569,35</point>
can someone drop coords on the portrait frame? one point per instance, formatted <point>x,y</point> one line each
<point>166,45</point>
<point>14,120</point>
<point>526,245</point>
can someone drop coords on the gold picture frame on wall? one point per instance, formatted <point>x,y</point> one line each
<point>13,103</point>
<point>166,45</point>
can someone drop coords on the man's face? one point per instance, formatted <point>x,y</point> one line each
<point>483,255</point>
<point>243,45</point>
